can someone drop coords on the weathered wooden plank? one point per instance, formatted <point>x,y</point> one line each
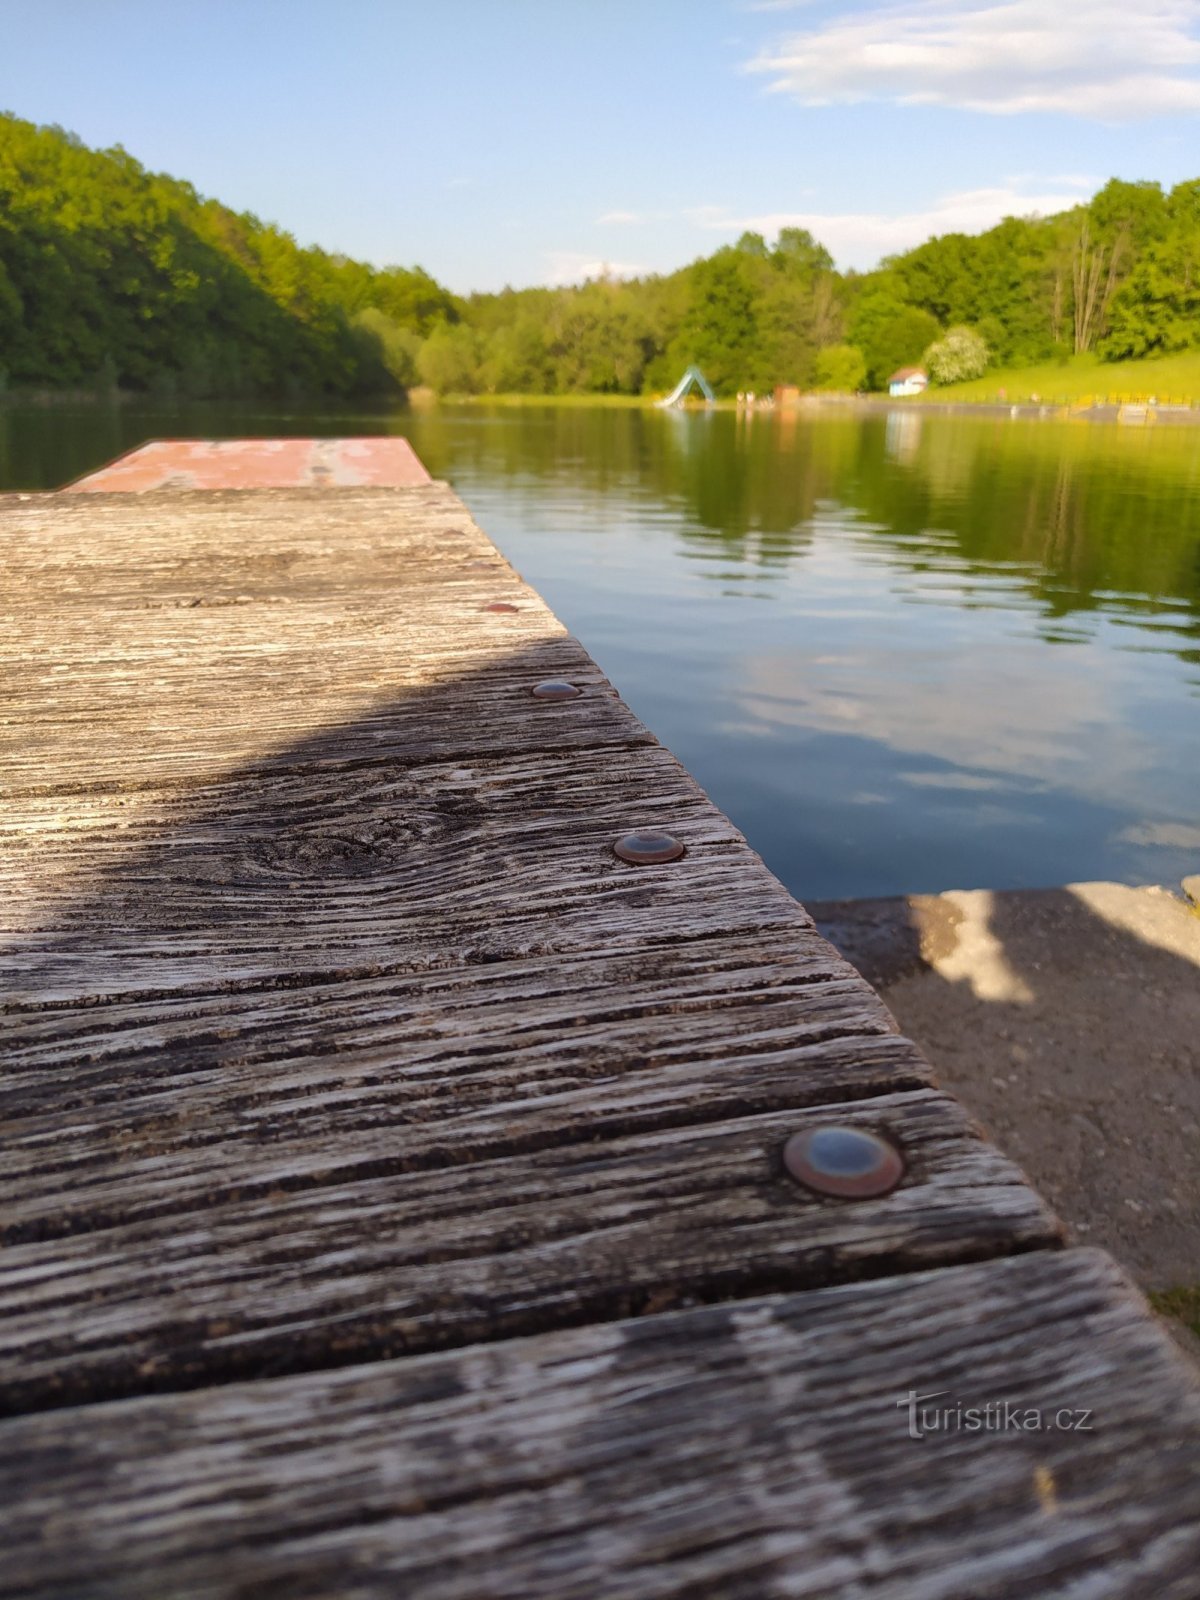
<point>151,556</point>
<point>174,638</point>
<point>631,1006</point>
<point>140,723</point>
<point>269,877</point>
<point>321,1257</point>
<point>132,524</point>
<point>401,1071</point>
<point>746,1452</point>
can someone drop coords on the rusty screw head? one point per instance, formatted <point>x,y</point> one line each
<point>499,605</point>
<point>647,849</point>
<point>841,1160</point>
<point>555,689</point>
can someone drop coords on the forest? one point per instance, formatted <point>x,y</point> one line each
<point>113,277</point>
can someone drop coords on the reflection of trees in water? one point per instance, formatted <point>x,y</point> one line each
<point>1073,516</point>
<point>749,489</point>
<point>1076,517</point>
<point>45,447</point>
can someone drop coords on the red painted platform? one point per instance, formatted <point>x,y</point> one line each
<point>258,464</point>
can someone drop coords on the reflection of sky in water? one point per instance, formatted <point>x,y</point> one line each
<point>877,714</point>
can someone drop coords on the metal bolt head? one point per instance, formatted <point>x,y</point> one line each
<point>844,1161</point>
<point>500,605</point>
<point>647,849</point>
<point>555,689</point>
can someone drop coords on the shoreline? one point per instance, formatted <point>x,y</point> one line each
<point>1126,414</point>
<point>1020,411</point>
<point>1122,413</point>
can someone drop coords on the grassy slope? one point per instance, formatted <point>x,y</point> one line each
<point>1081,380</point>
<point>1084,378</point>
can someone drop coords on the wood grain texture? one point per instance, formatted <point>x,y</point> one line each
<point>168,638</point>
<point>263,878</point>
<point>319,1257</point>
<point>753,1451</point>
<point>228,1081</point>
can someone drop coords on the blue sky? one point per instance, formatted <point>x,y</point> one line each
<point>535,141</point>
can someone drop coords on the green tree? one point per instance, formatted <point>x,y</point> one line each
<point>889,332</point>
<point>959,355</point>
<point>516,360</point>
<point>448,361</point>
<point>597,340</point>
<point>720,332</point>
<point>796,251</point>
<point>1157,308</point>
<point>105,267</point>
<point>392,349</point>
<point>840,368</point>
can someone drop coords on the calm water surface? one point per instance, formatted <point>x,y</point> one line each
<point>903,652</point>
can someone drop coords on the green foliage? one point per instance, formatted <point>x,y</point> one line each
<point>959,356</point>
<point>1157,307</point>
<point>516,358</point>
<point>598,340</point>
<point>387,352</point>
<point>114,276</point>
<point>840,368</point>
<point>448,361</point>
<point>720,331</point>
<point>796,251</point>
<point>110,274</point>
<point>889,332</point>
<point>753,244</point>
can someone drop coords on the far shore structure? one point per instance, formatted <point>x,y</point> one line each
<point>908,380</point>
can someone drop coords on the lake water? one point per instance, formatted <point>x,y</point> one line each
<point>905,652</point>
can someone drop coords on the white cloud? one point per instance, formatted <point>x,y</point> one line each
<point>1003,722</point>
<point>1107,60</point>
<point>1173,835</point>
<point>860,238</point>
<point>572,266</point>
<point>620,217</point>
<point>1069,180</point>
<point>708,216</point>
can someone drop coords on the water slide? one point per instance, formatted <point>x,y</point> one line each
<point>693,375</point>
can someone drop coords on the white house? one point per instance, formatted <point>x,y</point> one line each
<point>908,380</point>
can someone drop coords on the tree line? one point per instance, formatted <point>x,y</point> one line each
<point>114,276</point>
<point>110,274</point>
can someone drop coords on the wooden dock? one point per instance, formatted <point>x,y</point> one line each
<point>394,1193</point>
